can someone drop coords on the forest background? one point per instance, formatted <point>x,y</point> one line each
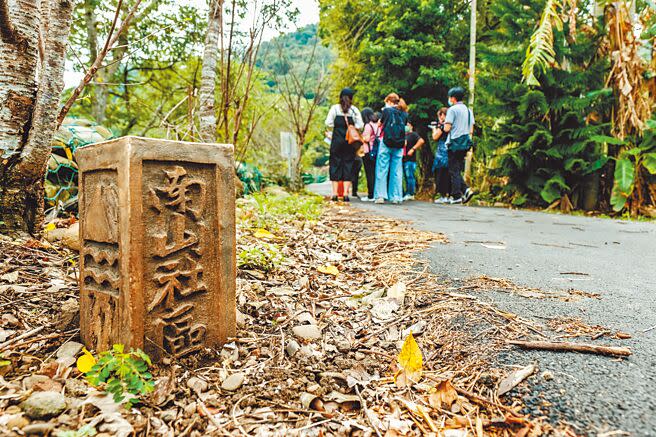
<point>563,101</point>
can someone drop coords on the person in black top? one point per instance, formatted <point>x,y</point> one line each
<point>342,154</point>
<point>413,142</point>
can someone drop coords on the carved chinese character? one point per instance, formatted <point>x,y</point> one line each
<point>181,190</point>
<point>182,276</point>
<point>179,335</point>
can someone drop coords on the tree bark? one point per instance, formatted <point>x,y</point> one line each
<point>472,79</point>
<point>31,82</point>
<point>91,24</point>
<point>208,127</point>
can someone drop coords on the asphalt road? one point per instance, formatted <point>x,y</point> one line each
<point>615,259</point>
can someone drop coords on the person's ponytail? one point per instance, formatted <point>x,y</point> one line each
<point>345,102</point>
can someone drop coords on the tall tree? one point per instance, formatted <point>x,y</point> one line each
<point>239,44</point>
<point>34,36</point>
<point>207,111</point>
<point>301,96</point>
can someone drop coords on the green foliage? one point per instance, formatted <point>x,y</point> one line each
<point>85,431</point>
<point>649,162</point>
<point>269,209</point>
<point>540,52</point>
<point>262,256</point>
<point>123,372</point>
<point>297,48</point>
<point>623,185</point>
<point>539,142</point>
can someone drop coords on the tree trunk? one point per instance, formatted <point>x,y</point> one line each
<point>91,24</point>
<point>30,88</point>
<point>207,92</point>
<point>296,182</point>
<point>472,79</point>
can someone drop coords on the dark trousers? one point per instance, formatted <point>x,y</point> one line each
<point>443,181</point>
<point>370,172</point>
<point>357,165</point>
<point>456,169</point>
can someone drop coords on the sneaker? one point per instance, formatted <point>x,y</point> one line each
<point>442,201</point>
<point>379,201</point>
<point>468,195</point>
<point>457,201</point>
<point>346,199</point>
<point>335,199</point>
<point>409,197</point>
<point>397,202</point>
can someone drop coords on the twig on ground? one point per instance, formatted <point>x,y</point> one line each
<point>6,344</point>
<point>572,347</point>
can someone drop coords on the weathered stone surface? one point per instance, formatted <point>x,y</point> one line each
<point>44,404</point>
<point>69,349</point>
<point>157,228</point>
<point>233,382</point>
<point>307,332</point>
<point>75,387</point>
<point>32,380</point>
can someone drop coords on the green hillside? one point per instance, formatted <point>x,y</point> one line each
<point>292,52</point>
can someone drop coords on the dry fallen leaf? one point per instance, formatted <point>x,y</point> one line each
<point>515,378</point>
<point>329,269</point>
<point>411,362</point>
<point>397,292</point>
<point>443,395</point>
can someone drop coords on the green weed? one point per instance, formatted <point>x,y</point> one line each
<point>263,256</point>
<point>269,210</point>
<point>123,372</point>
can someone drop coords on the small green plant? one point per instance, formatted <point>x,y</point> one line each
<point>269,210</point>
<point>263,256</point>
<point>122,372</point>
<point>86,431</point>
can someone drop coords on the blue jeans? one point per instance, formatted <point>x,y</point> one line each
<point>389,174</point>
<point>409,169</point>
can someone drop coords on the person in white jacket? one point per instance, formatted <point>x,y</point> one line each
<point>342,154</point>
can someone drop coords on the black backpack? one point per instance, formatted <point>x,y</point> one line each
<point>394,129</point>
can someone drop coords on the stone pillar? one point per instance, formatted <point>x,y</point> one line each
<point>157,227</point>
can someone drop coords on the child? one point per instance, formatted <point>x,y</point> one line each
<point>413,142</point>
<point>441,161</point>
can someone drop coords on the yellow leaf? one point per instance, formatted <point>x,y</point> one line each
<point>329,269</point>
<point>50,227</point>
<point>69,155</point>
<point>86,361</point>
<point>410,359</point>
<point>263,233</point>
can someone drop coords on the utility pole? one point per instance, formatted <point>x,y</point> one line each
<point>472,78</point>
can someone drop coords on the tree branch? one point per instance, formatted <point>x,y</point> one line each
<point>112,37</point>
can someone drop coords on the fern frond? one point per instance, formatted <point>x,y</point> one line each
<point>540,52</point>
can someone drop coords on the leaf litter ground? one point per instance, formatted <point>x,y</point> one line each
<point>318,346</point>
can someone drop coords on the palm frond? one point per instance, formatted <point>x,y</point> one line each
<point>540,52</point>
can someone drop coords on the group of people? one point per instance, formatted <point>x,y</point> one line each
<point>387,149</point>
